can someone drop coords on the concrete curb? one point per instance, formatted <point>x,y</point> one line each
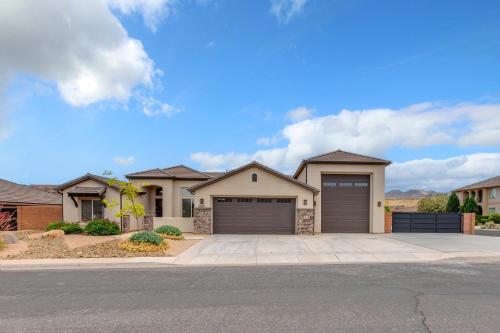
<point>163,262</point>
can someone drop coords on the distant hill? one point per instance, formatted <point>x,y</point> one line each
<point>398,194</point>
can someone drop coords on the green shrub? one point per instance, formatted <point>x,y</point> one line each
<point>68,228</point>
<point>146,237</point>
<point>453,204</point>
<point>101,228</point>
<point>470,205</point>
<point>387,209</point>
<point>494,217</point>
<point>435,204</point>
<point>169,230</point>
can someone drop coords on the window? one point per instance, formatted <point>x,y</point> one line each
<point>264,200</point>
<point>158,207</point>
<point>244,200</point>
<point>329,184</point>
<point>491,210</point>
<point>187,203</point>
<point>360,184</point>
<point>345,184</point>
<point>159,191</point>
<point>284,200</point>
<point>254,177</point>
<point>92,209</point>
<point>492,193</point>
<point>224,200</point>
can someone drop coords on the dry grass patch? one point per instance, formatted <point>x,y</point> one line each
<point>142,247</point>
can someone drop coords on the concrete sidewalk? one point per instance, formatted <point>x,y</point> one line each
<point>242,250</point>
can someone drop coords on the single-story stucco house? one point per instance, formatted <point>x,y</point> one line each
<point>29,207</point>
<point>334,192</point>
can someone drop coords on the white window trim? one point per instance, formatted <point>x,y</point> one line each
<point>492,193</point>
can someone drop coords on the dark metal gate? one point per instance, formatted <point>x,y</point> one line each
<point>427,222</point>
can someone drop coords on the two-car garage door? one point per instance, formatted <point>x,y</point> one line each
<point>253,215</point>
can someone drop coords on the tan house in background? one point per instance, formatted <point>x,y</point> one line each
<point>486,193</point>
<point>334,192</point>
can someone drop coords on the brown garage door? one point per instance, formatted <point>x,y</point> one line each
<point>345,203</point>
<point>254,216</point>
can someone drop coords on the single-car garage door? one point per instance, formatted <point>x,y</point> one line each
<point>254,215</point>
<point>345,203</point>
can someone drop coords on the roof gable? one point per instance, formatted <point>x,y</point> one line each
<point>341,157</point>
<point>99,179</point>
<point>174,172</point>
<point>16,193</point>
<point>248,166</point>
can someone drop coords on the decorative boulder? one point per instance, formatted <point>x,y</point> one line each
<point>53,234</point>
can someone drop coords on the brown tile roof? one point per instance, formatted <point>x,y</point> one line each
<point>488,183</point>
<point>46,188</point>
<point>341,157</point>
<point>214,174</point>
<point>100,179</point>
<point>12,193</point>
<point>175,172</point>
<point>248,166</point>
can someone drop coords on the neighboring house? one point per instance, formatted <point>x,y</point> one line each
<point>31,208</point>
<point>334,192</point>
<point>486,193</point>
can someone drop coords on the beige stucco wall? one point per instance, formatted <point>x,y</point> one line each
<point>73,214</point>
<point>377,189</point>
<point>172,206</point>
<point>183,223</point>
<point>241,185</point>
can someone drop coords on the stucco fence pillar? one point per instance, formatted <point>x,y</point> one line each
<point>148,222</point>
<point>202,220</point>
<point>388,222</point>
<point>305,221</point>
<point>469,223</point>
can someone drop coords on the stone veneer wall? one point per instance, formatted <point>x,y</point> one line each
<point>202,220</point>
<point>148,222</point>
<point>125,223</point>
<point>305,222</point>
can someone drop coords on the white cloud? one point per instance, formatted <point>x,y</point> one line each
<point>215,162</point>
<point>443,175</point>
<point>299,114</point>
<point>286,10</point>
<point>153,107</point>
<point>79,45</point>
<point>373,132</point>
<point>152,11</point>
<point>211,45</point>
<point>124,161</point>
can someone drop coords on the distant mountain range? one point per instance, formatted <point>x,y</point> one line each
<point>398,194</point>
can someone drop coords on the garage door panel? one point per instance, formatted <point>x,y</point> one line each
<point>254,216</point>
<point>345,203</point>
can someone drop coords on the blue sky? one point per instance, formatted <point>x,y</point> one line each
<point>125,86</point>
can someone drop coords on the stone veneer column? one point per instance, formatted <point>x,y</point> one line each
<point>148,222</point>
<point>305,221</point>
<point>125,223</point>
<point>202,220</point>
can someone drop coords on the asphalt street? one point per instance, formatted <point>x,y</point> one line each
<point>438,297</point>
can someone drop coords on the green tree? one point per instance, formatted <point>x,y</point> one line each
<point>453,204</point>
<point>435,204</point>
<point>131,205</point>
<point>470,205</point>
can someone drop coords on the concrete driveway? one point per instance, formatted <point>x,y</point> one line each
<point>334,248</point>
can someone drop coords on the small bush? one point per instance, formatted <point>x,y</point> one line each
<point>146,237</point>
<point>488,225</point>
<point>169,230</point>
<point>142,247</point>
<point>101,228</point>
<point>494,217</point>
<point>68,228</point>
